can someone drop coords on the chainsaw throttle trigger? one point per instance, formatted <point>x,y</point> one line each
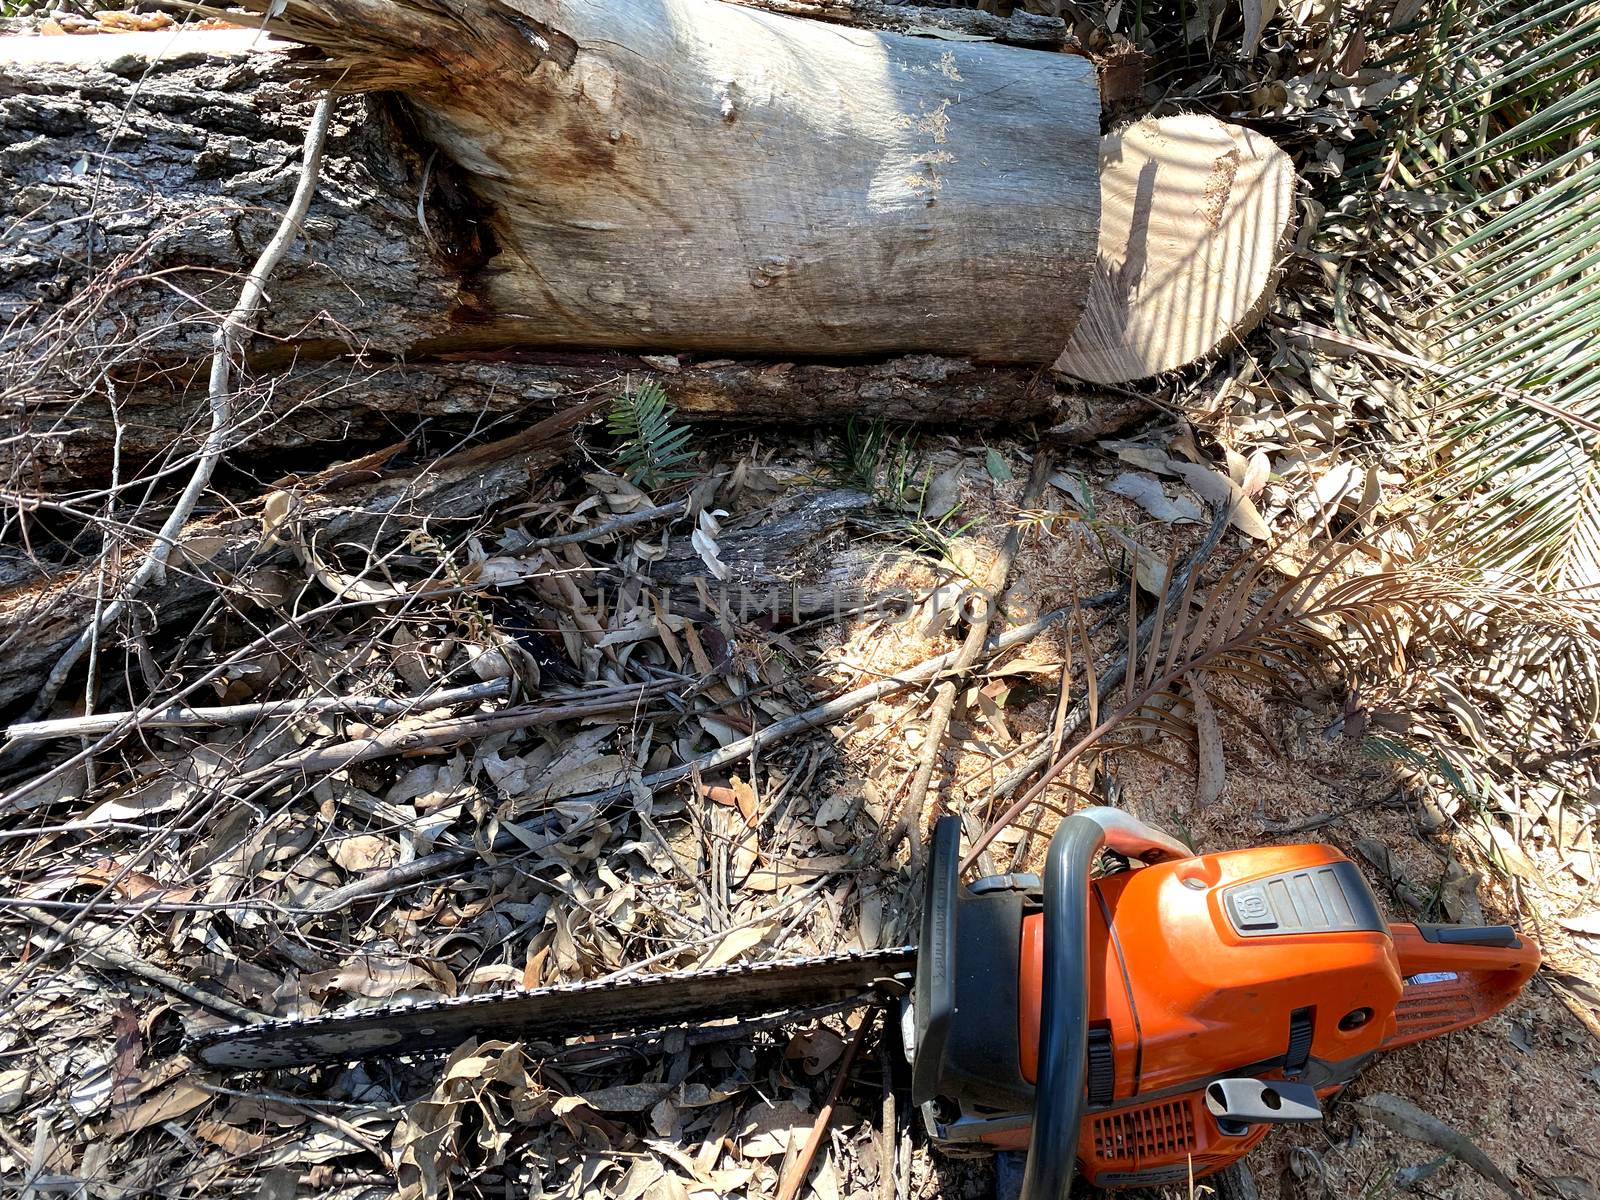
<point>1238,1104</point>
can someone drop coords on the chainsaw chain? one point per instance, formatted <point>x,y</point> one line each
<point>415,1014</point>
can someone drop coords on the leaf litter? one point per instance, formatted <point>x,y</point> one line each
<point>601,871</point>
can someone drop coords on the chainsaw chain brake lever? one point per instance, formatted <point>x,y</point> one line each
<point>1132,838</point>
<point>1240,1103</point>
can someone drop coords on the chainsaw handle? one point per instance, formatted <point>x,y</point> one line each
<point>1059,1079</point>
<point>1455,976</point>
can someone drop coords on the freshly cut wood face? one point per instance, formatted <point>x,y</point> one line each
<point>1194,215</point>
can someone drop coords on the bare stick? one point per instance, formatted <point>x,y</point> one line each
<point>795,1179</point>
<point>606,528</point>
<point>181,716</point>
<point>225,344</point>
<point>109,956</point>
<point>400,740</point>
<point>944,699</point>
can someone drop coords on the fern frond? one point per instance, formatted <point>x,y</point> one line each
<point>650,449</point>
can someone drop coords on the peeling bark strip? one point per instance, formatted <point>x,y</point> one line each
<point>1019,29</point>
<point>692,175</point>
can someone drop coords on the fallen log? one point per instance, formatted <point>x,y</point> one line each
<point>691,174</point>
<point>1196,218</point>
<point>321,411</point>
<point>141,184</point>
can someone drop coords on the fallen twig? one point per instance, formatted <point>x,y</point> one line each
<point>181,716</point>
<point>226,342</point>
<point>606,528</point>
<point>120,960</point>
<point>795,1179</point>
<point>1406,1119</point>
<point>402,739</point>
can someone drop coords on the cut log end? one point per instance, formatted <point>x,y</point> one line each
<point>1195,215</point>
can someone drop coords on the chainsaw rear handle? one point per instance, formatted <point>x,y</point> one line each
<point>1060,1079</point>
<point>1455,976</point>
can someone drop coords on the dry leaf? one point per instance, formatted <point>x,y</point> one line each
<point>1208,744</point>
<point>376,977</point>
<point>769,1129</point>
<point>1256,15</point>
<point>363,852</point>
<point>942,495</point>
<point>234,1141</point>
<point>736,943</point>
<point>704,540</point>
<point>1219,491</point>
<point>1406,1119</point>
<point>1586,923</point>
<point>817,1049</point>
<point>1141,455</point>
<point>1076,489</point>
<point>1256,473</point>
<point>1146,491</point>
<point>176,1101</point>
<point>13,1088</point>
<point>1149,568</point>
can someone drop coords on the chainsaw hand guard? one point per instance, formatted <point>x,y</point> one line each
<point>1064,1010</point>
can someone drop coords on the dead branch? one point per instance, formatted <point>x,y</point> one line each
<point>180,716</point>
<point>944,700</point>
<point>98,950</point>
<point>227,342</point>
<point>795,1178</point>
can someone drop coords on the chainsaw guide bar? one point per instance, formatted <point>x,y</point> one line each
<point>567,1010</point>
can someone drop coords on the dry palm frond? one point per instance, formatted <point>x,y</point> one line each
<point>1341,616</point>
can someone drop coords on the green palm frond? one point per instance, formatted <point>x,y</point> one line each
<point>650,449</point>
<point>1503,131</point>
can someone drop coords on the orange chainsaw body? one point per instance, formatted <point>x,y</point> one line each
<point>1266,964</point>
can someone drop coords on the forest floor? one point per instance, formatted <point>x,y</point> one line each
<point>244,896</point>
<point>578,845</point>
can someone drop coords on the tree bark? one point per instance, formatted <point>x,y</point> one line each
<point>322,411</point>
<point>1019,29</point>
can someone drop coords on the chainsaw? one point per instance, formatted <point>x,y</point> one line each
<point>1137,1027</point>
